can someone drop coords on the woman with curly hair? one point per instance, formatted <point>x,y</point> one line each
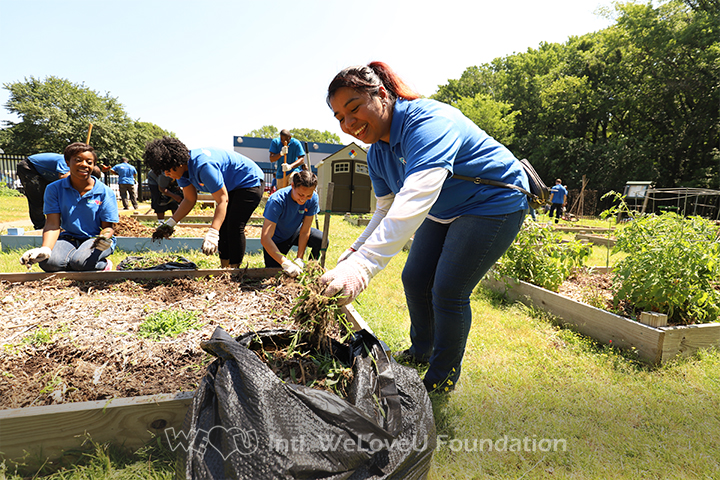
<point>235,182</point>
<point>81,212</point>
<point>461,227</point>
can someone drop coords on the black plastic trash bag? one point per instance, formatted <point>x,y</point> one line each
<point>246,423</point>
<point>131,263</point>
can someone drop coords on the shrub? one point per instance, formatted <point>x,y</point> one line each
<point>539,256</point>
<point>672,267</point>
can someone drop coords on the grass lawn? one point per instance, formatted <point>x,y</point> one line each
<point>534,401</point>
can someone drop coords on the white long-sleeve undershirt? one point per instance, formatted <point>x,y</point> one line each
<point>396,219</point>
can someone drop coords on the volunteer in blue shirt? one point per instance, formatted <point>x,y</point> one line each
<point>288,222</point>
<point>461,228</point>
<point>126,182</point>
<point>288,155</point>
<point>36,172</point>
<point>81,213</point>
<point>235,182</point>
<point>558,199</point>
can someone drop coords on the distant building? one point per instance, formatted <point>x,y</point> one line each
<point>345,166</point>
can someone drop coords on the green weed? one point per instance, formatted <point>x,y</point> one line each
<point>168,323</point>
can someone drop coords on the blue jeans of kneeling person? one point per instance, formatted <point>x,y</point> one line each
<point>445,263</point>
<point>74,254</point>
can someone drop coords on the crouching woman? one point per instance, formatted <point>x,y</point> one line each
<point>81,212</point>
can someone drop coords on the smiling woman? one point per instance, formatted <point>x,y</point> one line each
<point>461,228</point>
<point>81,213</point>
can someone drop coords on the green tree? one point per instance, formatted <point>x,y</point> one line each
<point>312,135</point>
<point>496,118</point>
<point>301,134</point>
<point>55,112</point>
<point>266,131</point>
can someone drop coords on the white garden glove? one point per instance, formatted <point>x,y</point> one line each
<point>350,277</point>
<point>35,255</point>
<point>284,151</point>
<point>286,167</point>
<point>299,262</point>
<point>291,268</point>
<point>346,254</point>
<point>210,244</point>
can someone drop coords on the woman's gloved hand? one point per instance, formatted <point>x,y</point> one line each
<point>35,255</point>
<point>350,278</point>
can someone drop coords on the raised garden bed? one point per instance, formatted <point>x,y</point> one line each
<point>652,345</point>
<point>356,219</point>
<point>75,365</point>
<point>132,236</point>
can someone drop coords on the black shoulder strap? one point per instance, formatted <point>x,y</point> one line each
<point>478,180</point>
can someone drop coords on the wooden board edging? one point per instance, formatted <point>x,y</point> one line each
<point>31,435</point>
<point>253,273</point>
<point>652,345</point>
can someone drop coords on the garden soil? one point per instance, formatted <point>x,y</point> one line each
<point>129,227</point>
<point>70,341</point>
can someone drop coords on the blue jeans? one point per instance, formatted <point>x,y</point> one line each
<point>71,254</point>
<point>445,264</point>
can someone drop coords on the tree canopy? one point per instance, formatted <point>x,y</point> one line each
<point>55,112</point>
<point>302,134</point>
<point>639,100</point>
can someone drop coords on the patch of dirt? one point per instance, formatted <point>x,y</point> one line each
<point>594,289</point>
<point>69,341</point>
<point>129,227</point>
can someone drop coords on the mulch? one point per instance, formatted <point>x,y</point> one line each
<point>70,341</point>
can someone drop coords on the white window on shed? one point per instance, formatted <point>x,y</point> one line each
<point>361,168</point>
<point>341,167</point>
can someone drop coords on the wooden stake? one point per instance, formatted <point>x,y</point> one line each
<point>326,227</point>
<point>87,142</point>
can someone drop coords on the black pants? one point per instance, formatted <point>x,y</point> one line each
<point>241,205</point>
<point>34,186</point>
<point>314,244</point>
<point>161,203</point>
<point>557,208</point>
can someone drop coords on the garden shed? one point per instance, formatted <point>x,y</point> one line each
<point>347,170</point>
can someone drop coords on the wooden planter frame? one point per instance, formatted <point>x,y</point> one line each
<point>356,220</point>
<point>652,345</point>
<point>32,435</point>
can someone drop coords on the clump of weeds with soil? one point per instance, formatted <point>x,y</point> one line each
<point>308,357</point>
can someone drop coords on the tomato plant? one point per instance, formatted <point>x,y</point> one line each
<point>672,267</point>
<point>539,256</point>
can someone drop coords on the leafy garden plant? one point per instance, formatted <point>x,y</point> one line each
<point>672,266</point>
<point>539,256</point>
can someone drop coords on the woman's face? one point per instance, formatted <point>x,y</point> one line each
<point>81,165</point>
<point>367,118</point>
<point>176,172</point>
<point>301,194</point>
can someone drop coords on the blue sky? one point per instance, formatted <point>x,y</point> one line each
<point>208,70</point>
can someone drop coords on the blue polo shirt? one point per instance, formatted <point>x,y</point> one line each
<point>559,193</point>
<point>126,172</point>
<point>49,165</point>
<point>210,169</point>
<point>425,134</point>
<point>295,150</point>
<point>287,214</point>
<point>81,217</point>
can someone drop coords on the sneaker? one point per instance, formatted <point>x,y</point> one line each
<point>406,357</point>
<point>108,267</point>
